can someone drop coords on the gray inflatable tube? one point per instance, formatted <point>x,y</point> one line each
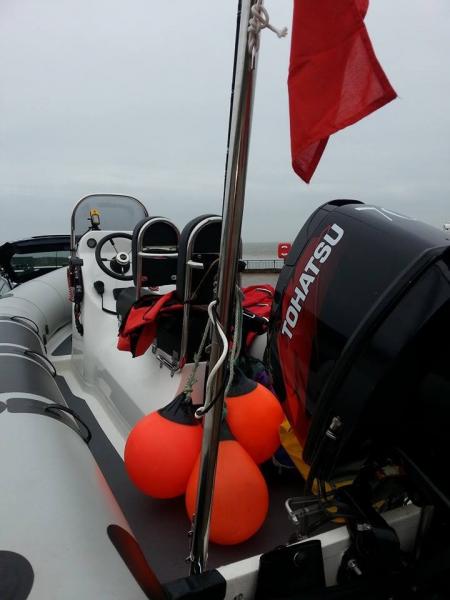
<point>56,509</point>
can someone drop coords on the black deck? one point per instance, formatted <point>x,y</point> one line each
<point>161,526</point>
<point>64,348</point>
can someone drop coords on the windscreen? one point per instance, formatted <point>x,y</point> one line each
<point>28,265</point>
<point>29,258</point>
<point>117,213</point>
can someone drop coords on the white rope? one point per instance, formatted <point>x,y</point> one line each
<point>208,402</point>
<point>192,379</point>
<point>260,20</point>
<point>234,353</point>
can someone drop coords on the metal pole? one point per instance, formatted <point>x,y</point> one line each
<point>235,178</point>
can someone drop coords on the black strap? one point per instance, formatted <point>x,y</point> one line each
<point>49,365</point>
<point>54,411</point>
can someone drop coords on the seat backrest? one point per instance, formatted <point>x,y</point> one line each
<point>198,258</point>
<point>154,253</point>
<point>198,254</point>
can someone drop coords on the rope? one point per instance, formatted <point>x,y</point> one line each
<point>260,20</point>
<point>188,388</point>
<point>209,403</point>
<point>235,351</point>
<point>213,264</point>
<point>237,338</point>
<point>192,379</point>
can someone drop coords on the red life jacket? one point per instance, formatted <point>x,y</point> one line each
<point>138,329</point>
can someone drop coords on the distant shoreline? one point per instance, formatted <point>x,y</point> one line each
<point>260,250</point>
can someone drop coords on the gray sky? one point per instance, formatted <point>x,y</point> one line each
<point>132,97</point>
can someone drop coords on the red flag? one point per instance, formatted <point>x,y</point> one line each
<point>335,78</point>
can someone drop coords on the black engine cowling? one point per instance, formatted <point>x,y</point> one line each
<point>361,290</point>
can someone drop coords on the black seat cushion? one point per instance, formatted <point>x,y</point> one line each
<point>168,336</point>
<point>125,298</point>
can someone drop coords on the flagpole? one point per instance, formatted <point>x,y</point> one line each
<point>244,77</point>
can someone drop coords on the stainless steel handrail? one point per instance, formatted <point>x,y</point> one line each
<point>190,265</point>
<point>141,254</point>
<point>158,254</point>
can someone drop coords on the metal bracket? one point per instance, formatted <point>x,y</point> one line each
<point>172,365</point>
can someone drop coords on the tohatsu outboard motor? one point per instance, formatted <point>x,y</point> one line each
<point>363,294</point>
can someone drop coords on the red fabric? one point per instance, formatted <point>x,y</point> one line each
<point>257,300</point>
<point>335,78</point>
<point>139,329</point>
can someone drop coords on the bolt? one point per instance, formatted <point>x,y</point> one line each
<point>298,558</point>
<point>353,566</point>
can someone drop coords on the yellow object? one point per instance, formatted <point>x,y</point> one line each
<point>94,215</point>
<point>293,447</point>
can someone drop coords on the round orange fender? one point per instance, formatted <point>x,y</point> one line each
<point>241,498</point>
<point>162,448</point>
<point>254,416</point>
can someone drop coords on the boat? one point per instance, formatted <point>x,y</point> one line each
<point>23,260</point>
<point>356,349</point>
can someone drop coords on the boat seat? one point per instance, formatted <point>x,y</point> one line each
<point>125,298</point>
<point>179,334</point>
<point>154,255</point>
<point>179,329</point>
<point>199,249</point>
<point>198,262</point>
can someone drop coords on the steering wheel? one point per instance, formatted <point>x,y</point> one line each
<point>120,264</point>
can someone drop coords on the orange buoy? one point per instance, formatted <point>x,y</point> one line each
<point>162,448</point>
<point>241,497</point>
<point>254,416</point>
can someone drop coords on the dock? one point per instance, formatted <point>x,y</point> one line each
<point>263,265</point>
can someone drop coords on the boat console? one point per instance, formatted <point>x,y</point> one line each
<point>151,253</point>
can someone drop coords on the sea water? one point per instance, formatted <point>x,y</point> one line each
<point>260,250</point>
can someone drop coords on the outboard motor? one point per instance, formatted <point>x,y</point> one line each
<point>359,341</point>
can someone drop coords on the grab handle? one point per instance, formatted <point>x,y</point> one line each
<point>50,366</point>
<point>20,318</point>
<point>88,436</point>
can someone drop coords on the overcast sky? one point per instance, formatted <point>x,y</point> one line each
<point>132,97</point>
